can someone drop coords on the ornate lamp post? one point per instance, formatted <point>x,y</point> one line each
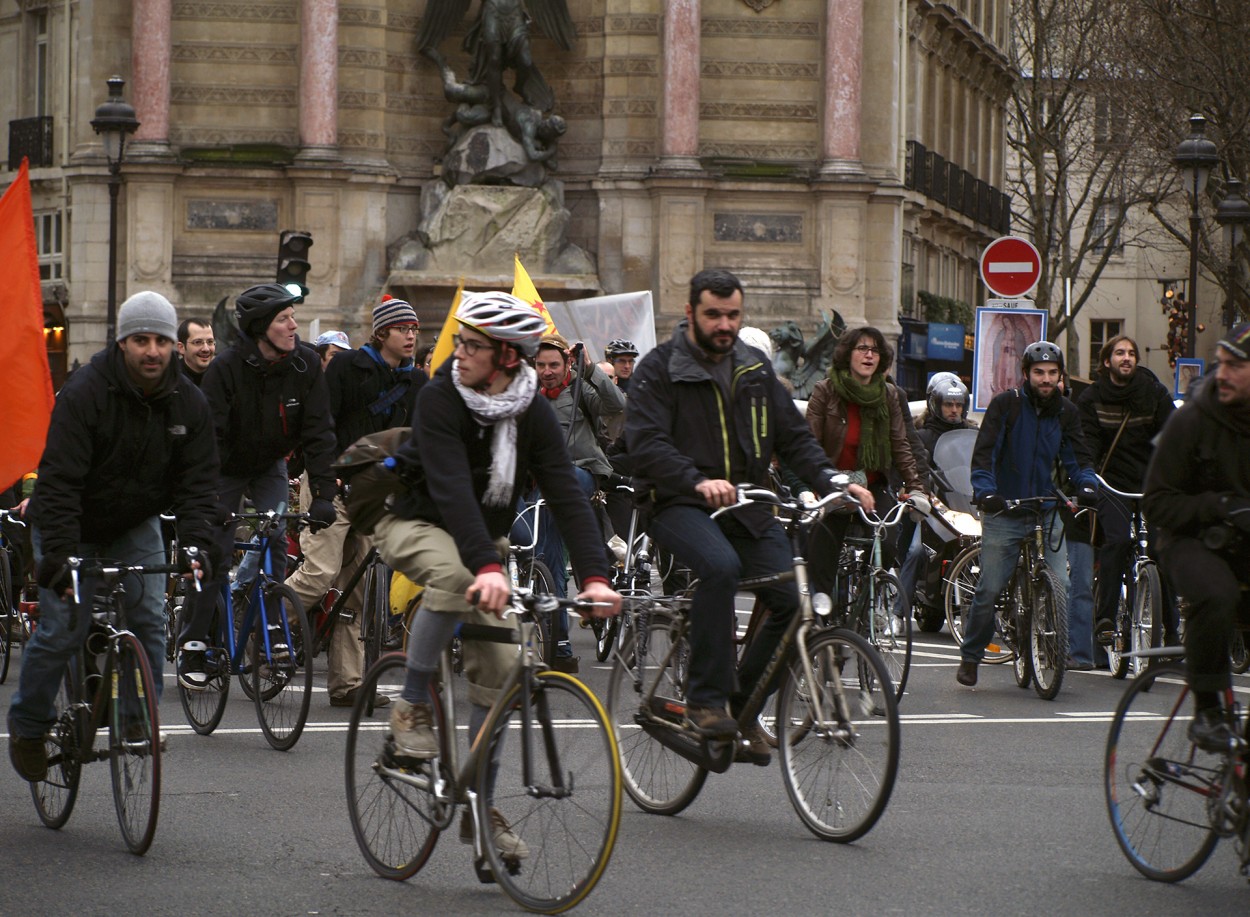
<point>1194,157</point>
<point>1233,213</point>
<point>113,121</point>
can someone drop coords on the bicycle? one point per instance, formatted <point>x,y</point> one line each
<point>15,622</point>
<point>1031,614</point>
<point>374,617</point>
<point>526,571</point>
<point>560,783</point>
<point>269,648</point>
<point>837,720</point>
<point>631,576</point>
<point>1169,801</point>
<point>109,684</point>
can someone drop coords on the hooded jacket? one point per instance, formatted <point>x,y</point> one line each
<point>600,399</point>
<point>263,411</point>
<point>114,458</point>
<point>368,396</point>
<point>1103,407</point>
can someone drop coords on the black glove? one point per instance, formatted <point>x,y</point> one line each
<point>52,572</point>
<point>1086,496</point>
<point>993,503</point>
<point>202,555</point>
<point>1237,511</point>
<point>321,514</point>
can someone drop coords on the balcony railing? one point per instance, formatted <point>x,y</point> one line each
<point>30,138</point>
<point>929,173</point>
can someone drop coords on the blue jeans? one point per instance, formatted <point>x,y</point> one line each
<point>54,644</point>
<point>1081,602</point>
<point>719,559</point>
<point>911,550</point>
<point>1001,535</point>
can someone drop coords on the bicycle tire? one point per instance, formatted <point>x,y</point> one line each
<point>394,817</point>
<point>606,631</point>
<point>1119,662</point>
<point>205,708</point>
<point>376,611</point>
<point>1018,611</point>
<point>569,832</point>
<point>537,576</point>
<point>895,649</point>
<point>8,621</point>
<point>1048,635</point>
<point>957,592</point>
<point>656,777</point>
<point>1156,782</point>
<point>1147,613</point>
<point>134,744</point>
<point>54,796</point>
<point>1238,656</point>
<point>840,774</point>
<point>282,686</point>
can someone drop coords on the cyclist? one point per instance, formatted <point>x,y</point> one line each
<point>707,412</point>
<point>196,347</point>
<point>371,389</point>
<point>481,431</point>
<point>622,354</point>
<point>129,438</point>
<point>268,398</point>
<point>1197,496</point>
<point>1024,432</point>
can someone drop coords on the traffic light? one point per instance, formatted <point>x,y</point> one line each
<point>293,263</point>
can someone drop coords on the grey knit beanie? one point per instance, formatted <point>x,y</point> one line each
<point>147,313</point>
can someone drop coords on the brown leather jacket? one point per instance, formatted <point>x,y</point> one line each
<point>826,415</point>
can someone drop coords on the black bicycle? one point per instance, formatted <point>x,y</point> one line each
<point>372,620</point>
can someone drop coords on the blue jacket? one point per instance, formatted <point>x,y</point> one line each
<point>1019,441</point>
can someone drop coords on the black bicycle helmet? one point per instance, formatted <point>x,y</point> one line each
<point>256,306</point>
<point>619,348</point>
<point>1041,352</point>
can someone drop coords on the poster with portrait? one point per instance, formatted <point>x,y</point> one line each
<point>1188,370</point>
<point>999,341</point>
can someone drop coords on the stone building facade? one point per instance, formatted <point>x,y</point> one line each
<point>837,154</point>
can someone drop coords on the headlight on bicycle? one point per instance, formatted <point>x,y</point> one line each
<point>822,604</point>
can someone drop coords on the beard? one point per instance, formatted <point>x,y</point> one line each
<point>709,343</point>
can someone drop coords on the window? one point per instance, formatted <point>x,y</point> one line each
<point>1103,229</point>
<point>1101,330</point>
<point>41,87</point>
<point>1110,121</point>
<point>48,244</point>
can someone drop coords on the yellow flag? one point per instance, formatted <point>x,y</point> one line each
<point>523,288</point>
<point>446,345</point>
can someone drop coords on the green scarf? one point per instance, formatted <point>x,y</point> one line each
<point>874,417</point>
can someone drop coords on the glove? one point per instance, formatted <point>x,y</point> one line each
<point>202,556</point>
<point>1086,496</point>
<point>321,514</point>
<point>917,500</point>
<point>53,573</point>
<point>1237,511</point>
<point>993,503</point>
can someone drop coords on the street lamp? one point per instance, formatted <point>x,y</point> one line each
<point>113,120</point>
<point>1194,157</point>
<point>1233,213</point>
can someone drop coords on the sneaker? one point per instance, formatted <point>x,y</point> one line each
<point>1210,731</point>
<point>898,626</point>
<point>192,673</point>
<point>507,841</point>
<point>753,747</point>
<point>1104,631</point>
<point>570,665</point>
<point>1074,666</point>
<point>29,757</point>
<point>967,674</point>
<point>412,725</point>
<point>349,699</point>
<point>712,722</point>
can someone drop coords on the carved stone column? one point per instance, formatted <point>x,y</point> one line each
<point>151,49</point>
<point>318,79</point>
<point>679,143</point>
<point>844,53</point>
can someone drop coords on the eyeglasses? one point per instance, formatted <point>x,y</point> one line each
<point>406,329</point>
<point>470,347</point>
<point>201,342</point>
<point>866,350</point>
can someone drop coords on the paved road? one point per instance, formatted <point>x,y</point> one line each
<point>998,810</point>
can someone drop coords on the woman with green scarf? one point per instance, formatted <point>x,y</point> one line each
<point>857,418</point>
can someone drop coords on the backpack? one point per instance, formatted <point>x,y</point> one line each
<point>371,483</point>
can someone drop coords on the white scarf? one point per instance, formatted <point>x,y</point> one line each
<point>501,410</point>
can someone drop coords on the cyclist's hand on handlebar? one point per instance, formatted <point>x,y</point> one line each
<point>1086,496</point>
<point>993,503</point>
<point>717,492</point>
<point>195,563</point>
<point>321,514</point>
<point>919,501</point>
<point>53,573</point>
<point>492,593</point>
<point>863,495</point>
<point>601,593</point>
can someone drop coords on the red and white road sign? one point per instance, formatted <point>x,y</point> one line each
<point>1010,266</point>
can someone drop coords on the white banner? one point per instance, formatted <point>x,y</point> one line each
<point>601,319</point>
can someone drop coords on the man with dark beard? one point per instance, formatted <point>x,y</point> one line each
<point>1121,414</point>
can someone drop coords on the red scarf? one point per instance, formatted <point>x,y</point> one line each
<point>554,393</point>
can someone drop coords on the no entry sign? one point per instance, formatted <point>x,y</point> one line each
<point>1010,266</point>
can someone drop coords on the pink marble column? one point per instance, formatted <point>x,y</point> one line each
<point>679,145</point>
<point>844,53</point>
<point>318,76</point>
<point>152,48</point>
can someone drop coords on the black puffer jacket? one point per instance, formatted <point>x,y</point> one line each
<point>114,458</point>
<point>358,380</point>
<point>263,411</point>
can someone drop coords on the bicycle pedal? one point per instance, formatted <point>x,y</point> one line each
<point>483,870</point>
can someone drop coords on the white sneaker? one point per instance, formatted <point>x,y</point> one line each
<point>898,626</point>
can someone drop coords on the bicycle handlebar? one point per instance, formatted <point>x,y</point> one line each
<point>1102,482</point>
<point>888,519</point>
<point>750,493</point>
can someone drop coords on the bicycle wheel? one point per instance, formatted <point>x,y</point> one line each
<point>657,778</point>
<point>281,679</point>
<point>567,808</point>
<point>376,612</point>
<point>1158,784</point>
<point>537,576</point>
<point>390,803</point>
<point>1237,652</point>
<point>838,735</point>
<point>1147,614</point>
<point>957,592</point>
<point>204,708</point>
<point>8,616</point>
<point>606,631</point>
<point>895,649</point>
<point>1118,659</point>
<point>1017,609</point>
<point>54,796</point>
<point>134,744</point>
<point>1048,634</point>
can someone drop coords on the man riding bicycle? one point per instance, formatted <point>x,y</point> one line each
<point>1197,496</point>
<point>1024,432</point>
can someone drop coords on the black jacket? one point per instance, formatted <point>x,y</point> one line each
<point>263,411</point>
<point>680,431</point>
<point>114,458</point>
<point>1103,407</point>
<point>1202,454</point>
<point>364,397</point>
<point>446,465</point>
<point>197,379</point>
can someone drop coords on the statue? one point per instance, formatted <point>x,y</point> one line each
<point>497,41</point>
<point>804,367</point>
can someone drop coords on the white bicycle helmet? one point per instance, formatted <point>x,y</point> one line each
<point>946,387</point>
<point>503,317</point>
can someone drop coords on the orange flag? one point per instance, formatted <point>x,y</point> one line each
<point>24,376</point>
<point>445,345</point>
<point>523,288</point>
